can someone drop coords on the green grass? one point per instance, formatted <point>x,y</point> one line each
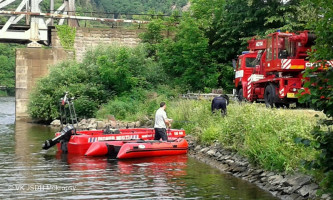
<point>265,136</point>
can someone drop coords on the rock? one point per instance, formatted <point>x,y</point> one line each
<point>137,124</point>
<point>56,122</point>
<point>83,121</point>
<point>197,148</point>
<point>264,174</point>
<point>229,162</point>
<point>292,189</point>
<point>239,169</point>
<point>211,152</point>
<point>100,124</point>
<point>290,197</point>
<point>113,124</point>
<point>91,120</point>
<point>130,125</point>
<point>149,123</point>
<point>297,180</point>
<point>276,180</point>
<point>218,154</point>
<point>308,190</point>
<point>204,150</point>
<point>120,124</point>
<point>92,125</point>
<point>257,172</point>
<point>270,174</point>
<point>325,196</point>
<point>263,179</point>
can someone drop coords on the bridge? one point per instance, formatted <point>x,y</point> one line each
<point>28,24</point>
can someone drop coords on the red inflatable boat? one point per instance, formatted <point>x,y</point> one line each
<point>139,148</point>
<point>79,142</point>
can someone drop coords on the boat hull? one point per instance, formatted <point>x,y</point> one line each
<point>138,149</point>
<point>152,149</point>
<point>81,142</point>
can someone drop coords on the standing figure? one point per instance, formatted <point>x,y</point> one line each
<point>161,123</point>
<point>220,102</point>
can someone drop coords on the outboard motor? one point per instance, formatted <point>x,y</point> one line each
<point>65,135</point>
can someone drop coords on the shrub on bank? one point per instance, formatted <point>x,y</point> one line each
<point>265,136</point>
<point>137,104</point>
<point>105,72</point>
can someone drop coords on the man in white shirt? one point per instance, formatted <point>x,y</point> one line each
<point>161,122</point>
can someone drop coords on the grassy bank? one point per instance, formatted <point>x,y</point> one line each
<point>265,136</point>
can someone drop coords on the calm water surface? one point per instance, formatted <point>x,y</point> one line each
<point>27,172</point>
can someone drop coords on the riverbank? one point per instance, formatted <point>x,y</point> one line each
<point>265,137</point>
<point>286,186</point>
<point>282,185</point>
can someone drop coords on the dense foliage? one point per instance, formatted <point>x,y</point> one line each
<point>94,81</point>
<point>321,91</point>
<point>186,58</point>
<point>7,68</point>
<point>212,33</point>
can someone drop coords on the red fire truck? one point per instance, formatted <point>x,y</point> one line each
<point>272,68</point>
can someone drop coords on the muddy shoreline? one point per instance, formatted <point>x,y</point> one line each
<point>284,186</point>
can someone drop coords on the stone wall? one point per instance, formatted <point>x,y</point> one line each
<point>87,38</point>
<point>282,185</point>
<point>32,64</point>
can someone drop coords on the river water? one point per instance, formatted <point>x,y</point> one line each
<point>27,172</point>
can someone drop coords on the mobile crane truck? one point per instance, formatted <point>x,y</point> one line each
<point>272,68</point>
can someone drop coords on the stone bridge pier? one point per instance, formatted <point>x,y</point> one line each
<point>34,63</point>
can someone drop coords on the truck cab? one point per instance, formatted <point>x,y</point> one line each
<point>245,66</point>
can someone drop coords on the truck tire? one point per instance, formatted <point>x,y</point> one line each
<point>269,96</point>
<point>240,95</point>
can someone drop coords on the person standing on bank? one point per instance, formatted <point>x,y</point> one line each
<point>161,123</point>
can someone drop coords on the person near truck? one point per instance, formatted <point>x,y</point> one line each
<point>161,123</point>
<point>220,103</point>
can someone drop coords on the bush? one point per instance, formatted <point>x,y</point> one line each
<point>105,72</point>
<point>67,77</point>
<point>124,68</point>
<point>135,104</point>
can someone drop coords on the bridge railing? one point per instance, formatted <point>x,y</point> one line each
<point>37,22</point>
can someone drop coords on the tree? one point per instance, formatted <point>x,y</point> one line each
<point>186,59</point>
<point>139,6</point>
<point>321,96</point>
<point>320,87</point>
<point>7,66</point>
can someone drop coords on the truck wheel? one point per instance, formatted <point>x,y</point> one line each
<point>240,95</point>
<point>269,96</point>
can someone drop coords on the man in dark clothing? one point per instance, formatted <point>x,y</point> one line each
<point>220,102</point>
